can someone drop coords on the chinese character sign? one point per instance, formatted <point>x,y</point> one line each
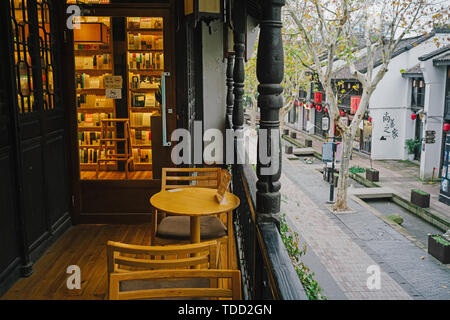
<point>390,130</point>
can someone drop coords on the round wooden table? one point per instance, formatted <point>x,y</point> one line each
<point>193,202</point>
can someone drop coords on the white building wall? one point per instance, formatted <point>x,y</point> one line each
<point>391,101</point>
<point>214,71</point>
<point>435,81</point>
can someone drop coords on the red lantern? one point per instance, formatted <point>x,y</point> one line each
<point>319,108</point>
<point>342,113</point>
<point>318,97</point>
<point>300,104</point>
<point>325,110</point>
<point>413,116</point>
<point>370,119</point>
<point>446,127</point>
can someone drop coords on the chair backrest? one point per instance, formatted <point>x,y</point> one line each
<point>165,257</point>
<point>174,178</point>
<point>116,279</point>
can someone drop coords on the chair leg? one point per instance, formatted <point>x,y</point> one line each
<point>154,226</point>
<point>230,239</point>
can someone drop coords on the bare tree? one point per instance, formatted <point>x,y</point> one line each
<point>334,34</point>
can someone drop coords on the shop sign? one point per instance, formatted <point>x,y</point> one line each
<point>113,82</point>
<point>115,94</point>
<point>354,104</point>
<point>430,137</point>
<point>325,124</point>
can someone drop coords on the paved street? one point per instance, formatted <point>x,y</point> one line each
<point>394,175</point>
<point>342,247</point>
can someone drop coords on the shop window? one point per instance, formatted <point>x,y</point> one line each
<point>418,92</point>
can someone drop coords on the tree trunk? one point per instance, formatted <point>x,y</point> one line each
<point>341,201</point>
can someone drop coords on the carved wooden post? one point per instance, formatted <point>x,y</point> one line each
<point>230,84</point>
<point>270,71</point>
<point>239,67</point>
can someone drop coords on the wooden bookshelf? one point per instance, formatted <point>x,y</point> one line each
<point>93,61</point>
<point>145,66</point>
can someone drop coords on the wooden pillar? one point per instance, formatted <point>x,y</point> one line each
<point>230,85</point>
<point>270,72</point>
<point>239,67</point>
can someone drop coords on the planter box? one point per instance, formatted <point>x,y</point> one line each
<point>421,200</point>
<point>308,143</point>
<point>289,149</point>
<point>438,250</point>
<point>294,135</point>
<point>373,175</point>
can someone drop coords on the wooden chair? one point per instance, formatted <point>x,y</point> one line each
<point>178,227</point>
<point>141,258</point>
<point>117,289</point>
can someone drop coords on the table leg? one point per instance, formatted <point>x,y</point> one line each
<point>195,229</point>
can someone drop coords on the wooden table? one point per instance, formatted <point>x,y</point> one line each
<point>195,203</point>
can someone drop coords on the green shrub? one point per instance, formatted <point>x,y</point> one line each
<point>396,218</point>
<point>290,240</point>
<point>421,192</point>
<point>412,145</point>
<point>358,169</point>
<point>441,240</point>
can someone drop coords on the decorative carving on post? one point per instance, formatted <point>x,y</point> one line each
<point>239,67</point>
<point>270,72</point>
<point>230,83</point>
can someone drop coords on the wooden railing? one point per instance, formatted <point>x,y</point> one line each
<point>267,270</point>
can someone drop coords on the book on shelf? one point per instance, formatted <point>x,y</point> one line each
<point>145,42</point>
<point>143,156</point>
<point>144,82</point>
<point>96,62</point>
<point>143,100</point>
<point>139,119</point>
<point>93,101</point>
<point>141,137</point>
<point>145,23</point>
<point>146,61</point>
<point>93,119</point>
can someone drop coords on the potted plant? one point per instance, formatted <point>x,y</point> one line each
<point>439,247</point>
<point>420,198</point>
<point>412,145</point>
<point>372,175</point>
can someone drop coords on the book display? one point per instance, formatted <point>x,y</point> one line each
<point>93,62</point>
<point>145,56</point>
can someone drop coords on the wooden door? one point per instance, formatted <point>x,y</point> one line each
<point>34,202</point>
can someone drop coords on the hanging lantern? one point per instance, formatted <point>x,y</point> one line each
<point>319,108</point>
<point>370,119</point>
<point>300,104</point>
<point>413,116</point>
<point>342,113</point>
<point>325,110</point>
<point>203,10</point>
<point>446,127</point>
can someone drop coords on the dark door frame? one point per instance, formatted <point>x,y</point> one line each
<point>137,213</point>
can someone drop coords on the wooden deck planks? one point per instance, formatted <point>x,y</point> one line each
<point>85,246</point>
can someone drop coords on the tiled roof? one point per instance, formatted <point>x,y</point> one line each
<point>404,45</point>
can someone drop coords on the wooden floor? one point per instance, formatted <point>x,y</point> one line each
<point>84,246</point>
<point>112,175</point>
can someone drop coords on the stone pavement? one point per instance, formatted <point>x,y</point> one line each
<point>393,174</point>
<point>343,246</point>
